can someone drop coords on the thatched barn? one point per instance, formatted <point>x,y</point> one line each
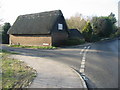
<point>39,29</point>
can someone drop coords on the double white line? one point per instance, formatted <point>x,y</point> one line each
<point>84,51</point>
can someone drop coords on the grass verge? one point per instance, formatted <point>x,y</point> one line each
<point>15,73</point>
<point>34,47</point>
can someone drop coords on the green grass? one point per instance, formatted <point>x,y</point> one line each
<point>15,73</point>
<point>34,47</point>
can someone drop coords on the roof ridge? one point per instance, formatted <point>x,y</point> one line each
<point>57,11</point>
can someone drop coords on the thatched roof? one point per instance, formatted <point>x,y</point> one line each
<point>74,33</point>
<point>38,23</point>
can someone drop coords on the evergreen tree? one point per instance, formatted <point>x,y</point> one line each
<point>87,32</point>
<point>5,36</point>
<point>104,26</point>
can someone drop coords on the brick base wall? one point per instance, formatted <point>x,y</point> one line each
<point>31,40</point>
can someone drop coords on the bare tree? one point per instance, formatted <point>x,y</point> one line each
<point>76,22</point>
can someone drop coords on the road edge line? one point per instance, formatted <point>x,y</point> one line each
<point>83,81</point>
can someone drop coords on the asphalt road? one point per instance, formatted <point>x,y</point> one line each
<point>101,61</point>
<point>102,64</point>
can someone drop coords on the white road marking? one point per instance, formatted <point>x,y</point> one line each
<point>88,47</point>
<point>82,70</point>
<point>83,58</point>
<point>83,62</point>
<point>82,67</point>
<point>83,50</point>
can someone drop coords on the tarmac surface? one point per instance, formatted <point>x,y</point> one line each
<point>51,74</point>
<point>98,62</point>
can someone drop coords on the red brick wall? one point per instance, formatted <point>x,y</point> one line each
<point>31,40</point>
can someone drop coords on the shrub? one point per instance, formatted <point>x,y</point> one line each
<point>74,41</point>
<point>95,38</point>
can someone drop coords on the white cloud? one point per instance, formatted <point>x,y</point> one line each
<point>13,8</point>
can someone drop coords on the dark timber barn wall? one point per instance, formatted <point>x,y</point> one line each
<point>59,36</point>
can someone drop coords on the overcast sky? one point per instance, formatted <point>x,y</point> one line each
<point>10,9</point>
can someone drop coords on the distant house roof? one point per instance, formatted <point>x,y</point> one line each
<point>38,23</point>
<point>74,33</point>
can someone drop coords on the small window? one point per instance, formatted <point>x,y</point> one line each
<point>60,26</point>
